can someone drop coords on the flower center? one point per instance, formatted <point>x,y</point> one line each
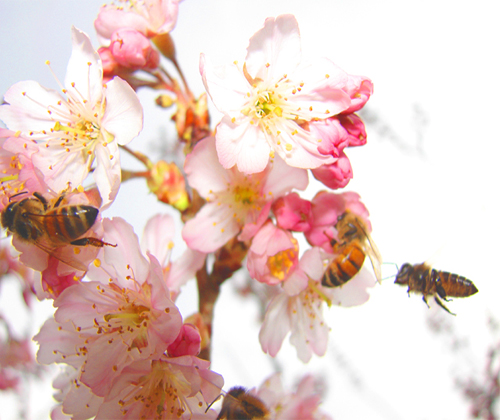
<point>281,263</point>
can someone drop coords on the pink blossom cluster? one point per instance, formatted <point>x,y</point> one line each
<point>126,350</point>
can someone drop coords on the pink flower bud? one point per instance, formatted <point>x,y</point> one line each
<point>334,176</point>
<point>187,342</point>
<point>293,213</point>
<point>355,128</point>
<point>132,49</point>
<point>359,89</point>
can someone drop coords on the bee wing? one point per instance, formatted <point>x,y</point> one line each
<point>375,257</point>
<point>60,254</point>
<point>373,253</point>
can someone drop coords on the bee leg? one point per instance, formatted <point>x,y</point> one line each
<point>441,292</point>
<point>91,241</point>
<point>442,306</point>
<point>424,298</point>
<point>41,198</point>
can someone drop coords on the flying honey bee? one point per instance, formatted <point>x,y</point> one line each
<point>51,225</point>
<point>239,404</point>
<point>353,244</point>
<point>422,278</point>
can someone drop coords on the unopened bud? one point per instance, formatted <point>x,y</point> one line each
<point>167,183</point>
<point>165,44</point>
<point>187,342</point>
<point>197,320</point>
<point>165,101</point>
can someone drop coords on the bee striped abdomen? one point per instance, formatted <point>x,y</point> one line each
<point>344,266</point>
<point>455,285</point>
<point>70,222</point>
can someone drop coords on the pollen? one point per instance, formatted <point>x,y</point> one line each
<point>76,250</point>
<point>97,262</point>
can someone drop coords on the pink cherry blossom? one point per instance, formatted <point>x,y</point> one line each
<point>165,388</point>
<point>299,405</point>
<point>124,314</point>
<point>80,128</point>
<point>268,101</point>
<point>299,311</point>
<point>150,17</point>
<point>235,201</point>
<point>273,255</point>
<point>293,212</point>
<point>132,49</point>
<point>298,307</point>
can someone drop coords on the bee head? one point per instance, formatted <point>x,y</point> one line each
<point>8,215</point>
<point>404,273</point>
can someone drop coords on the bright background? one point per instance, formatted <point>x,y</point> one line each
<point>428,175</point>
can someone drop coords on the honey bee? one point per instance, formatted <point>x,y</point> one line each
<point>354,243</point>
<point>51,225</point>
<point>421,278</point>
<point>239,404</point>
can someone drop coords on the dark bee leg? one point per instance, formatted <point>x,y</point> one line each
<point>91,241</point>
<point>441,292</point>
<point>442,306</point>
<point>424,298</point>
<point>41,198</point>
<point>59,200</point>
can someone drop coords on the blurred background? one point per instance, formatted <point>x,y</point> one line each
<point>429,176</point>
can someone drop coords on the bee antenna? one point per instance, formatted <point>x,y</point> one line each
<point>213,402</point>
<point>15,195</point>
<point>392,275</point>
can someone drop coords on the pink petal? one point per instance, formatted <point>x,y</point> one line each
<point>203,170</point>
<point>211,228</point>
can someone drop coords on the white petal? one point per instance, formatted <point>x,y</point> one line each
<point>276,44</point>
<point>226,85</point>
<point>244,145</point>
<point>107,173</point>
<point>29,106</point>
<point>84,68</point>
<point>124,115</point>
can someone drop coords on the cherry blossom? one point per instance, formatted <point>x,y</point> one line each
<point>81,127</point>
<point>235,201</point>
<point>298,308</point>
<point>268,101</point>
<point>273,255</point>
<point>124,314</point>
<point>299,405</point>
<point>150,17</point>
<point>165,388</point>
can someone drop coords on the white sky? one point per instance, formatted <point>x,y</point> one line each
<point>429,176</point>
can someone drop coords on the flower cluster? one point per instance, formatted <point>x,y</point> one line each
<point>127,352</point>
